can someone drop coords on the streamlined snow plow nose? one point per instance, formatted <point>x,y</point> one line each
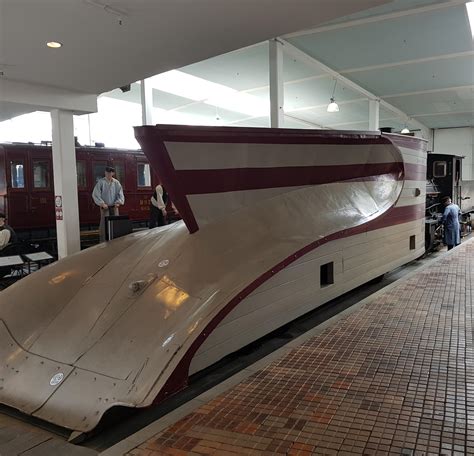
<point>125,322</point>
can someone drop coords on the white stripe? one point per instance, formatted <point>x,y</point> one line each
<point>227,156</point>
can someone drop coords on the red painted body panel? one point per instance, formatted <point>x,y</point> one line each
<point>33,208</point>
<point>3,181</point>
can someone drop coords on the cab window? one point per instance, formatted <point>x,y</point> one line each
<point>439,169</point>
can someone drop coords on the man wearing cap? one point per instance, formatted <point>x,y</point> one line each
<point>108,195</point>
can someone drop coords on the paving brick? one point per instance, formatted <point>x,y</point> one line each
<point>395,377</point>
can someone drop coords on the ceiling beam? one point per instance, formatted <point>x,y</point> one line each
<point>408,62</point>
<point>444,113</point>
<point>311,61</point>
<point>422,92</point>
<point>46,98</point>
<point>378,18</point>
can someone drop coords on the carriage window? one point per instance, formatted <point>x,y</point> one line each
<point>81,174</point>
<point>40,174</point>
<point>99,170</point>
<point>439,169</point>
<point>412,242</point>
<point>18,176</point>
<point>119,172</point>
<point>143,175</point>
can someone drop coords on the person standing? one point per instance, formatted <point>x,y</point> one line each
<point>108,195</point>
<point>158,207</point>
<point>452,228</point>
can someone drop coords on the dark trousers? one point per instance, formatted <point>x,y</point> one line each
<point>156,217</point>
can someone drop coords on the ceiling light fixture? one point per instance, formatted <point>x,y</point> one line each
<point>470,15</point>
<point>405,131</point>
<point>333,106</point>
<point>54,44</point>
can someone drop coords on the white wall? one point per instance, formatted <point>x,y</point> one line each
<point>458,141</point>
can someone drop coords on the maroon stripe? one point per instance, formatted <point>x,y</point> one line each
<point>161,163</point>
<point>394,216</point>
<point>184,133</point>
<point>201,181</point>
<point>415,172</point>
<point>246,139</point>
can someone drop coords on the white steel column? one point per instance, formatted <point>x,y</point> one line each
<point>65,183</point>
<point>276,84</point>
<point>146,92</point>
<point>374,115</point>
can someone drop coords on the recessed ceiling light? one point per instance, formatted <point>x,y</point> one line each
<point>53,44</point>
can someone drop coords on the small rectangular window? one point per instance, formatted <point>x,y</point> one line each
<point>439,169</point>
<point>81,174</point>
<point>327,274</point>
<point>143,175</point>
<point>40,174</point>
<point>412,242</point>
<point>17,172</point>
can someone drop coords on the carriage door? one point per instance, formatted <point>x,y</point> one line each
<point>17,201</point>
<point>41,185</point>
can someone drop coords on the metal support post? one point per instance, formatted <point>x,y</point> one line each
<point>276,84</point>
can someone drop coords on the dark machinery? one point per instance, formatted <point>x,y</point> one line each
<point>444,178</point>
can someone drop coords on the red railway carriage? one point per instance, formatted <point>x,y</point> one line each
<point>27,185</point>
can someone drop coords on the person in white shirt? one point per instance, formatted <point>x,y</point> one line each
<point>108,195</point>
<point>158,207</point>
<point>7,235</point>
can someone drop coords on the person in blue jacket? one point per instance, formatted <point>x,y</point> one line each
<point>452,229</point>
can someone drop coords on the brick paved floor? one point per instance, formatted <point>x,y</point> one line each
<point>394,377</point>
